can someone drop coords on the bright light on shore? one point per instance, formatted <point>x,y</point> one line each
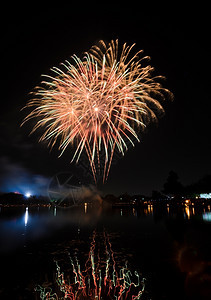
<point>28,195</point>
<point>206,196</point>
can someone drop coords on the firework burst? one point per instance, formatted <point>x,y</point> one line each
<point>97,104</point>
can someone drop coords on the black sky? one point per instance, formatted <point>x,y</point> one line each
<point>35,38</point>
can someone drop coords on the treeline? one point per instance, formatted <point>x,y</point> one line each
<point>19,199</point>
<point>174,187</point>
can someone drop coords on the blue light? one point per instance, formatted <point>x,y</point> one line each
<point>207,216</point>
<point>205,196</point>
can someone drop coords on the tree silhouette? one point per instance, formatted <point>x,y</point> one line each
<point>172,185</point>
<point>203,185</point>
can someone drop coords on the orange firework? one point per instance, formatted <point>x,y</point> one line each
<point>97,104</point>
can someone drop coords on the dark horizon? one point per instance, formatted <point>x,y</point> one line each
<point>36,40</point>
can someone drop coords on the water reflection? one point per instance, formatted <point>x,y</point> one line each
<point>134,212</point>
<point>207,216</point>
<point>45,221</point>
<point>150,234</point>
<point>54,212</point>
<point>85,207</point>
<point>187,211</point>
<point>102,277</point>
<point>167,205</point>
<point>26,216</point>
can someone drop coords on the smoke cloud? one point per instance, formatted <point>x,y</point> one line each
<point>14,177</point>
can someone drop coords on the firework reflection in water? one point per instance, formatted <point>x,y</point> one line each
<point>100,279</point>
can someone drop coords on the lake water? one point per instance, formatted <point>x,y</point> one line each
<point>170,248</point>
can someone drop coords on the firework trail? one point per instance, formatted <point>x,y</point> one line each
<point>97,104</point>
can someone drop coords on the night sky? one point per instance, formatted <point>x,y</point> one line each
<point>35,38</point>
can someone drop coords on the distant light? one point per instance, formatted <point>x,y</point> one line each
<point>206,196</point>
<point>28,195</point>
<point>96,108</point>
